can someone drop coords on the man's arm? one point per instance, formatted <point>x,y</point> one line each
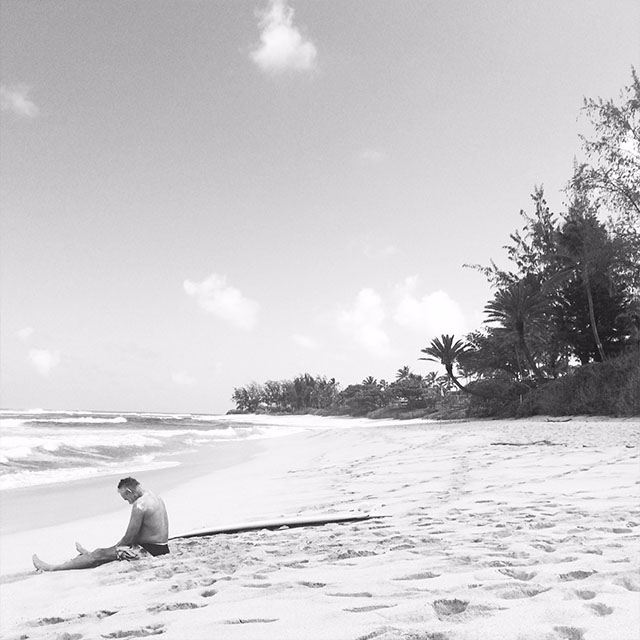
<point>135,523</point>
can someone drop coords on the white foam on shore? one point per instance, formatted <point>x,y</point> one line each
<point>313,422</point>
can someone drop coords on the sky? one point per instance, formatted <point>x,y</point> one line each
<point>199,194</point>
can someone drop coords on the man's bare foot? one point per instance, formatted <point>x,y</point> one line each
<point>81,550</point>
<point>39,565</point>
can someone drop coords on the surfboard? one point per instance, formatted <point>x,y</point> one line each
<point>290,523</point>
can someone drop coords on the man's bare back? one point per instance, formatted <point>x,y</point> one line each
<point>154,527</point>
<point>148,530</point>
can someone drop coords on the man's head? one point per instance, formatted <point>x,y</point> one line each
<point>129,489</point>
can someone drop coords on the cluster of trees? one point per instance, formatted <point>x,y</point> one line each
<point>300,395</point>
<point>306,393</point>
<point>569,298</point>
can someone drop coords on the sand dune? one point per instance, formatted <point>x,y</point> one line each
<point>507,529</point>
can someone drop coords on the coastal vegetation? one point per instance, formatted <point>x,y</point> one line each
<point>561,334</point>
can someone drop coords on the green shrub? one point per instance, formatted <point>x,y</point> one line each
<point>610,388</point>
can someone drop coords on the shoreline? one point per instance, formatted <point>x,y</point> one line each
<point>504,529</point>
<point>33,507</point>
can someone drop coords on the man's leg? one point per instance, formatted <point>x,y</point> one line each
<point>83,561</point>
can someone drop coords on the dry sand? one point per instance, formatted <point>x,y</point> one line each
<point>497,529</point>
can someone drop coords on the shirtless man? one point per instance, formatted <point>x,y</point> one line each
<point>147,532</point>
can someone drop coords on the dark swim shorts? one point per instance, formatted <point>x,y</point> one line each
<point>136,551</point>
<point>155,549</point>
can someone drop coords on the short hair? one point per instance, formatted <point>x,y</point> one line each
<point>128,483</point>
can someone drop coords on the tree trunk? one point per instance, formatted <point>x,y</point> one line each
<point>466,389</point>
<point>592,314</point>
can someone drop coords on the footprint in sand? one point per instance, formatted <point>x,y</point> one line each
<point>600,609</point>
<point>105,614</point>
<point>183,586</point>
<point>143,632</point>
<point>586,594</point>
<point>249,620</point>
<point>359,594</point>
<point>518,575</point>
<point>372,607</point>
<point>569,633</point>
<point>544,546</point>
<point>446,608</point>
<point>518,591</point>
<point>313,585</point>
<point>419,576</point>
<point>174,606</point>
<point>542,525</point>
<point>630,584</point>
<point>575,575</point>
<point>208,593</point>
<point>41,622</point>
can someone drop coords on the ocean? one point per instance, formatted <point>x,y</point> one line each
<point>41,447</point>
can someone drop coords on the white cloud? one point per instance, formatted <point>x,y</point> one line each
<point>363,322</point>
<point>372,156</point>
<point>182,378</point>
<point>44,360</point>
<point>25,334</point>
<point>379,251</point>
<point>305,341</point>
<point>15,100</point>
<point>373,247</point>
<point>432,314</point>
<point>282,47</point>
<point>217,297</point>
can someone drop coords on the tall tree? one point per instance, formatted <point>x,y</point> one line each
<point>611,172</point>
<point>516,308</point>
<point>584,249</point>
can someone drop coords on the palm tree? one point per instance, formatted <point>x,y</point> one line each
<point>370,381</point>
<point>516,308</point>
<point>403,373</point>
<point>430,379</point>
<point>445,351</point>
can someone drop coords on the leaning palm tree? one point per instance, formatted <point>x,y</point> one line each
<point>445,351</point>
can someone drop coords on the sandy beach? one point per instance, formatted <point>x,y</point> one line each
<point>521,529</point>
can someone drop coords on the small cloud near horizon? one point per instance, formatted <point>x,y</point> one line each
<point>220,299</point>
<point>363,323</point>
<point>282,47</point>
<point>305,341</point>
<point>25,334</point>
<point>182,378</point>
<point>373,247</point>
<point>372,156</point>
<point>15,99</point>
<point>432,314</point>
<point>44,360</point>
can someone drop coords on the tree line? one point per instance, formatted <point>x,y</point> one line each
<point>562,329</point>
<point>306,393</point>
